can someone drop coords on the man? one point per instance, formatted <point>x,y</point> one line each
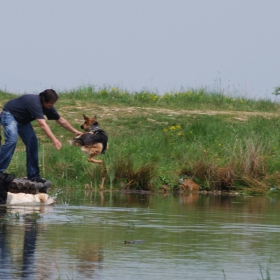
<point>16,119</point>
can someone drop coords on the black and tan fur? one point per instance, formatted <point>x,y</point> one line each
<point>94,141</point>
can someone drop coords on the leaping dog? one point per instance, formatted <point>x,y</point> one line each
<point>94,141</point>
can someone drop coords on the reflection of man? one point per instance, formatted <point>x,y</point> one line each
<point>5,259</point>
<point>29,246</point>
<point>7,269</point>
<point>16,119</point>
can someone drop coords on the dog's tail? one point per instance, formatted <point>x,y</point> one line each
<point>105,147</point>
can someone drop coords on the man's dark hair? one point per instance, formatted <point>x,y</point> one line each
<point>48,95</point>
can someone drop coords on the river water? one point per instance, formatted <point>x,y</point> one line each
<point>182,237</point>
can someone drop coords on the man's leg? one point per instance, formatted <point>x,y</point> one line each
<point>11,136</point>
<point>29,138</point>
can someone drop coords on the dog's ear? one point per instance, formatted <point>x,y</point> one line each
<point>43,197</point>
<point>85,117</point>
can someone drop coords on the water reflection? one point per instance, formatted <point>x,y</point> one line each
<point>5,259</point>
<point>188,198</point>
<point>188,236</point>
<point>29,243</point>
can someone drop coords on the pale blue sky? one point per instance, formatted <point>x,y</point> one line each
<point>156,45</point>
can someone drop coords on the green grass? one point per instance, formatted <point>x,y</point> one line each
<point>192,99</point>
<point>222,143</point>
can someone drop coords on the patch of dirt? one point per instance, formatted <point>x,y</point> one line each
<point>112,113</point>
<point>237,115</point>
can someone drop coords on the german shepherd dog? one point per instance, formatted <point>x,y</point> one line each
<point>94,141</point>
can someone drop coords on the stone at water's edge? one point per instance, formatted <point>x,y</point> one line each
<point>134,241</point>
<point>22,185</point>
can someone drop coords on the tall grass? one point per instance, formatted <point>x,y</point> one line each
<point>188,99</point>
<point>220,142</point>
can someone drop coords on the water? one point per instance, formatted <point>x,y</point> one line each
<point>186,237</point>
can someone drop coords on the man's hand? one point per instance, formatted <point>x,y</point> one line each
<point>49,133</point>
<point>57,144</point>
<point>78,133</point>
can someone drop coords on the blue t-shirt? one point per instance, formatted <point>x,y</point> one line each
<point>28,107</point>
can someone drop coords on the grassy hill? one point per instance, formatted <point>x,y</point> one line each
<point>220,142</point>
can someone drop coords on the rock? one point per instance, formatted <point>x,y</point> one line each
<point>26,186</point>
<point>189,185</point>
<point>134,242</point>
<point>165,188</point>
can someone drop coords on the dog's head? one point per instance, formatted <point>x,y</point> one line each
<point>46,199</point>
<point>90,124</point>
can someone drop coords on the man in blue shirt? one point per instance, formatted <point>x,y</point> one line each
<point>16,119</point>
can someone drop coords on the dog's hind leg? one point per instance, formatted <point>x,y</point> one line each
<point>95,150</point>
<point>91,159</point>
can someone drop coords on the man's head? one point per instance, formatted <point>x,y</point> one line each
<point>48,98</point>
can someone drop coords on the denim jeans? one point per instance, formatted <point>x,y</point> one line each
<point>11,131</point>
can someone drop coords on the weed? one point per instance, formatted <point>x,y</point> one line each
<point>265,274</point>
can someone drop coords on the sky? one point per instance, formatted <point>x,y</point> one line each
<point>229,46</point>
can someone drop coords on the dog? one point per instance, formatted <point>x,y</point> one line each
<point>9,198</point>
<point>25,198</point>
<point>94,141</point>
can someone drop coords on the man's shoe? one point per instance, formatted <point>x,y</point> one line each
<point>38,179</point>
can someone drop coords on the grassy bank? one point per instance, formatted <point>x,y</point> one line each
<point>222,143</point>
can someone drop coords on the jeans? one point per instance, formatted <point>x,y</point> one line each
<point>11,131</point>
